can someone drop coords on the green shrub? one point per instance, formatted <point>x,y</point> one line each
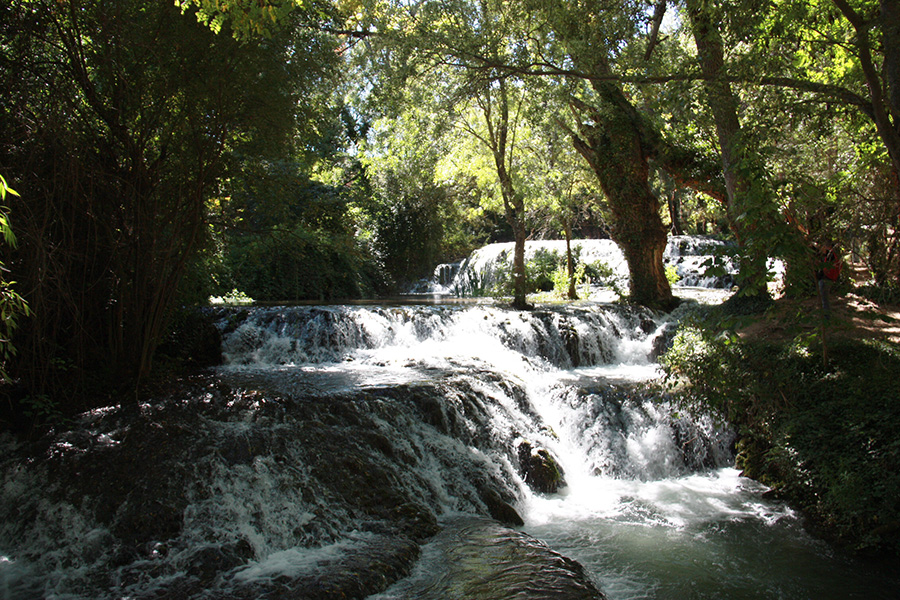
<point>823,438</point>
<point>672,274</point>
<point>547,271</point>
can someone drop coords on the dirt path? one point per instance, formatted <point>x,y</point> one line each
<point>852,317</point>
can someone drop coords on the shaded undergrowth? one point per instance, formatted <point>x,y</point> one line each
<point>822,434</point>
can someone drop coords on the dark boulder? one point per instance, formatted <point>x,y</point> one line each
<point>540,469</point>
<point>501,510</point>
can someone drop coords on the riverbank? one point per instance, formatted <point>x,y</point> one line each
<point>817,404</point>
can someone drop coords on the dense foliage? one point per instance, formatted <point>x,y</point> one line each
<point>822,437</point>
<point>284,150</point>
<point>12,305</point>
<point>122,123</point>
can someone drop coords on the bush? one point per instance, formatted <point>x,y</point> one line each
<point>301,264</point>
<point>548,271</point>
<point>823,439</point>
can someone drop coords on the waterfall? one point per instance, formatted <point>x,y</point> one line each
<point>484,268</point>
<point>347,451</point>
<point>693,255</point>
<point>561,336</point>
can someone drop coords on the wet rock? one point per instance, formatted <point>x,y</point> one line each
<point>500,509</point>
<point>207,562</point>
<point>483,560</point>
<point>142,518</point>
<point>354,572</point>
<point>663,342</point>
<point>570,339</point>
<point>540,469</point>
<point>416,521</point>
<point>648,325</point>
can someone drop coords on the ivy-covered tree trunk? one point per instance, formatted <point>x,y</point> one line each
<point>748,210</point>
<point>609,138</point>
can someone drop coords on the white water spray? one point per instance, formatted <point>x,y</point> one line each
<point>434,403</point>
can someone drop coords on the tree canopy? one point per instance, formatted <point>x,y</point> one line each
<point>164,152</point>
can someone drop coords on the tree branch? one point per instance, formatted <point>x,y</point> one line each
<point>834,93</point>
<point>888,133</point>
<point>658,13</point>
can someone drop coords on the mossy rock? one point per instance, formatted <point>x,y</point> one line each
<point>540,469</point>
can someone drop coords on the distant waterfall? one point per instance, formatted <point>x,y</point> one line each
<point>477,274</point>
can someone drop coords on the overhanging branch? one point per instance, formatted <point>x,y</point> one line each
<point>830,93</point>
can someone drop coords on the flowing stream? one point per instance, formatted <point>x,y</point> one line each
<point>384,452</point>
<point>652,506</point>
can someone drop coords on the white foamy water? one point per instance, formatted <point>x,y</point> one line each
<point>704,535</point>
<point>438,399</point>
<point>690,256</point>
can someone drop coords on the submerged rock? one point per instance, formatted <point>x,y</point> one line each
<point>500,509</point>
<point>475,559</point>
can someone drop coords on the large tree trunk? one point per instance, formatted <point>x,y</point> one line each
<point>737,165</point>
<point>610,140</point>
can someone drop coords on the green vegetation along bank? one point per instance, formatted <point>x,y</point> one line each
<point>817,422</point>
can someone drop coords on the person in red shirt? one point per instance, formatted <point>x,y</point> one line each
<point>828,269</point>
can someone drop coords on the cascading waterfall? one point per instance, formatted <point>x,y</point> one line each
<point>480,271</point>
<point>401,452</point>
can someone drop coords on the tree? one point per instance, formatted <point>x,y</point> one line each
<point>494,104</point>
<point>448,45</point>
<point>750,207</point>
<point>612,137</point>
<point>854,49</point>
<point>563,185</point>
<point>415,219</point>
<point>883,84</point>
<point>499,41</point>
<point>246,19</point>
<point>119,138</point>
<point>12,305</point>
<point>822,65</point>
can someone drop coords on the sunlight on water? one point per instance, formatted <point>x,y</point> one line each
<point>697,498</point>
<point>618,373</point>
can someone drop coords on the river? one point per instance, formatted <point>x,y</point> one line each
<point>381,452</point>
